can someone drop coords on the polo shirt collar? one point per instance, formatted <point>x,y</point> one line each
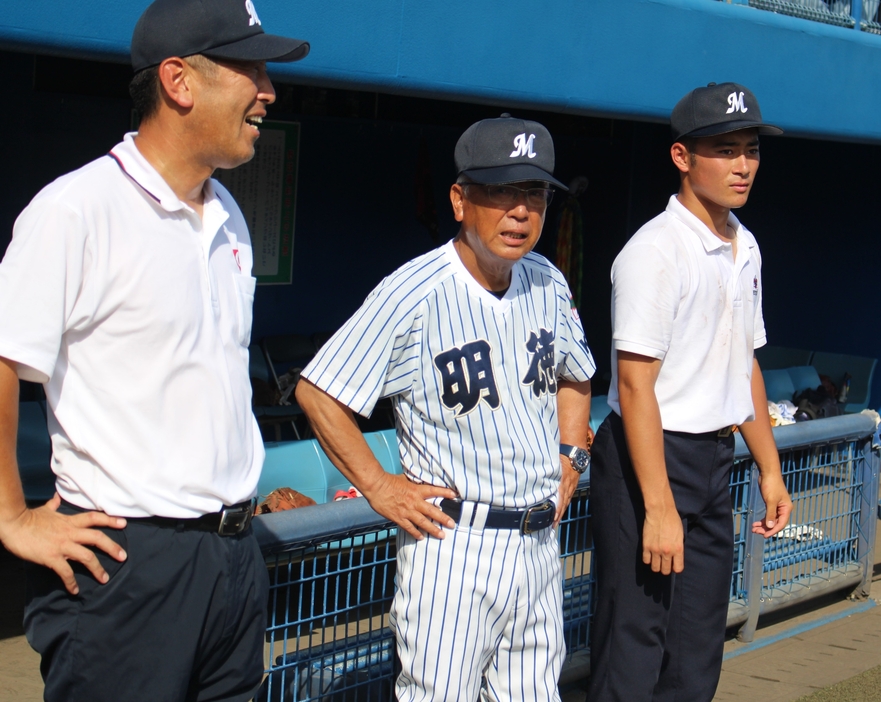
<point>709,240</point>
<point>139,169</point>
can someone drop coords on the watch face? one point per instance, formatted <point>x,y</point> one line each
<point>580,460</point>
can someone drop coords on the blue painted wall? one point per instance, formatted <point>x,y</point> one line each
<point>630,58</point>
<point>813,209</point>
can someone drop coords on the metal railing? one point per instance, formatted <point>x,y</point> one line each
<point>831,471</point>
<point>843,13</point>
<point>331,570</point>
<point>332,566</point>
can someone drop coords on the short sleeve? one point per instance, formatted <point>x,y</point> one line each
<point>575,361</point>
<point>376,353</point>
<point>645,299</point>
<point>41,282</point>
<point>760,337</point>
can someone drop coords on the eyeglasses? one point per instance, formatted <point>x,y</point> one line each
<point>508,195</point>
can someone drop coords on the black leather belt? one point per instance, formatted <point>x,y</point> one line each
<point>228,522</point>
<point>722,433</point>
<point>530,520</point>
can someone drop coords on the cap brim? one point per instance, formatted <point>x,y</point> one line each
<point>517,173</point>
<point>728,127</point>
<point>261,47</point>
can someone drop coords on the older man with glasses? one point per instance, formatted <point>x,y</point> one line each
<point>483,355</point>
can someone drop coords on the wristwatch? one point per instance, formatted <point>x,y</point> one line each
<point>579,457</point>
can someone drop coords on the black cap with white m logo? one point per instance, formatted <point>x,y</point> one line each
<point>506,150</point>
<point>718,109</point>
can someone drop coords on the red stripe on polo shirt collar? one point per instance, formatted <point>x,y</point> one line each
<point>134,180</point>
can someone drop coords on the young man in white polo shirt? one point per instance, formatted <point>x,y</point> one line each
<point>127,291</point>
<point>686,318</point>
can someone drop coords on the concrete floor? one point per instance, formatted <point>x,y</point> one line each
<point>800,664</point>
<point>19,665</point>
<point>801,654</point>
<point>865,687</point>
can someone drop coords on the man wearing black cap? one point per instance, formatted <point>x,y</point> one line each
<point>686,318</point>
<point>484,357</point>
<point>127,292</point>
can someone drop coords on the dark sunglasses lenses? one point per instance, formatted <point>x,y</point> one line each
<point>509,195</point>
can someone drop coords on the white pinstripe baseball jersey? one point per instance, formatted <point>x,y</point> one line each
<point>473,379</point>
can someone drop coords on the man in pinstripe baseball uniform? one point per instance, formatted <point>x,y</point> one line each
<point>485,360</point>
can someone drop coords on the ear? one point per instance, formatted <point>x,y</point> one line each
<point>175,75</point>
<point>681,157</point>
<point>457,199</point>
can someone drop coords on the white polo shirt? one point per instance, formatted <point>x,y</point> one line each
<point>136,315</point>
<point>680,296</point>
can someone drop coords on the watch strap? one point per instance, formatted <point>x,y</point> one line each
<point>567,450</point>
<point>579,457</point>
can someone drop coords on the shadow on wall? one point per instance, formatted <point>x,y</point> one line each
<point>357,215</point>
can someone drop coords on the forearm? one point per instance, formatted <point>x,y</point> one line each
<point>393,496</point>
<point>760,440</point>
<point>643,432</point>
<point>573,415</point>
<point>337,431</point>
<point>757,433</point>
<point>573,411</point>
<point>12,502</point>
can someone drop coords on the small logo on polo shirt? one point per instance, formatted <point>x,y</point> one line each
<point>523,146</point>
<point>249,6</point>
<point>573,309</point>
<point>736,102</point>
<point>755,286</point>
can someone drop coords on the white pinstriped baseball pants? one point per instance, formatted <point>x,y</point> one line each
<point>478,615</point>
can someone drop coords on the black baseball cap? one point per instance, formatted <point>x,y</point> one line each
<point>718,109</point>
<point>223,29</point>
<point>506,150</point>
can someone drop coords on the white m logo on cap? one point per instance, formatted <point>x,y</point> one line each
<point>523,146</point>
<point>736,102</point>
<point>249,6</point>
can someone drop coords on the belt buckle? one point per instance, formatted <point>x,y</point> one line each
<point>725,432</point>
<point>234,520</point>
<point>538,510</point>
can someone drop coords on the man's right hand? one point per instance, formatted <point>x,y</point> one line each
<point>400,500</point>
<point>663,540</point>
<point>50,539</point>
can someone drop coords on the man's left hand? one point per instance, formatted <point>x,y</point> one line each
<point>778,506</point>
<point>567,489</point>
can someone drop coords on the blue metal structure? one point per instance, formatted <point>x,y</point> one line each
<point>332,566</point>
<point>331,586</point>
<point>831,470</point>
<point>626,58</point>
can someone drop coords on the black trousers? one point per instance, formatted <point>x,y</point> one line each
<point>183,618</point>
<point>660,637</point>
